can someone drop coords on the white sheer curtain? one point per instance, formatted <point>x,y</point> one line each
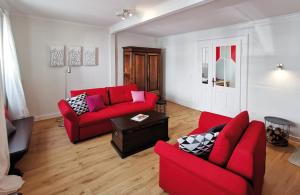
<point>12,79</point>
<point>8,184</point>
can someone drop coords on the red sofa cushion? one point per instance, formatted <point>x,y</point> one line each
<point>251,150</point>
<point>228,139</point>
<point>130,107</point>
<point>109,112</point>
<point>121,94</point>
<point>94,91</point>
<point>91,118</point>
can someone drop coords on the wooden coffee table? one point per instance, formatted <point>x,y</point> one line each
<point>129,137</point>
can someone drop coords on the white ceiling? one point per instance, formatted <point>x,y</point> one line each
<point>95,12</point>
<point>217,14</point>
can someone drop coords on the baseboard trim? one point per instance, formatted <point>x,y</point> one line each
<point>181,103</point>
<point>46,116</point>
<point>294,139</point>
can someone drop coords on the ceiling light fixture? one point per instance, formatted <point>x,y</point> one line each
<point>125,13</point>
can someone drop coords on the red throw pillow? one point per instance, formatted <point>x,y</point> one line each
<point>228,139</point>
<point>95,103</point>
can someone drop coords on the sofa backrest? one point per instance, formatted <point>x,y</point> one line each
<point>121,94</point>
<point>208,120</point>
<point>228,139</point>
<point>94,91</point>
<point>249,156</point>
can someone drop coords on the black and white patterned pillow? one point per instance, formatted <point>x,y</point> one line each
<point>78,104</point>
<point>200,144</point>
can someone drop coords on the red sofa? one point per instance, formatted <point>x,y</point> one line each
<point>118,102</point>
<point>235,166</point>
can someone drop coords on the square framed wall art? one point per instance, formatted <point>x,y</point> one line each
<point>75,56</point>
<point>57,56</point>
<point>90,56</point>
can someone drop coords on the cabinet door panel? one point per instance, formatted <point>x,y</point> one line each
<point>128,71</point>
<point>153,72</point>
<point>140,70</point>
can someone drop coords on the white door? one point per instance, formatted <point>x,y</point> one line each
<point>226,77</point>
<point>204,50</point>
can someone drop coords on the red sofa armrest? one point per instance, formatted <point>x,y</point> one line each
<point>66,110</point>
<point>71,120</point>
<point>208,120</point>
<point>151,99</point>
<point>191,171</point>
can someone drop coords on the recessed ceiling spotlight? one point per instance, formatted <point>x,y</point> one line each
<point>124,14</point>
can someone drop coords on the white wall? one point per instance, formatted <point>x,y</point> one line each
<point>44,86</point>
<point>131,39</point>
<point>270,92</point>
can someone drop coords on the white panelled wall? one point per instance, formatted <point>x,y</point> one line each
<point>269,91</point>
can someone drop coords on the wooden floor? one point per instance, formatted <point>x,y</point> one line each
<point>55,166</point>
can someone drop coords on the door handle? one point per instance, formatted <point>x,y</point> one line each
<point>213,82</point>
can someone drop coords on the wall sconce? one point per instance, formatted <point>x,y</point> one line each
<point>280,66</point>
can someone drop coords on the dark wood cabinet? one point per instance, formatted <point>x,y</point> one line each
<point>142,66</point>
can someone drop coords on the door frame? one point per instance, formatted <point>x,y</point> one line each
<point>243,68</point>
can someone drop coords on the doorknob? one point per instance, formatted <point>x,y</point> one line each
<point>213,82</point>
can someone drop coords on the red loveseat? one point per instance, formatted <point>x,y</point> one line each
<point>235,166</point>
<point>118,102</point>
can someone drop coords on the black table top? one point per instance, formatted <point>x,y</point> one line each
<point>125,122</point>
<point>278,121</point>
